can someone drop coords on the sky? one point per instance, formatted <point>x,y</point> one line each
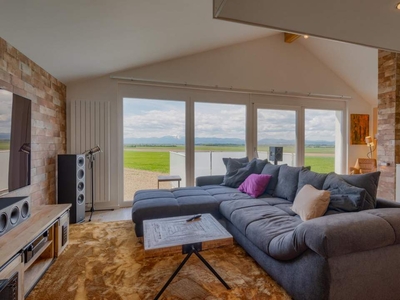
<point>158,118</point>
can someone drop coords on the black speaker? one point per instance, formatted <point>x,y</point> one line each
<point>13,211</point>
<point>71,184</point>
<point>275,154</point>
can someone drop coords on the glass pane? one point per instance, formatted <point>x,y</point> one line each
<point>320,139</point>
<point>154,144</point>
<point>220,131</point>
<point>276,130</point>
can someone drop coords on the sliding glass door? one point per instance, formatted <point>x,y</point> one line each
<point>220,131</point>
<point>154,143</point>
<point>276,135</point>
<point>322,139</point>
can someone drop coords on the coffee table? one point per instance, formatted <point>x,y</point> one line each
<point>175,235</point>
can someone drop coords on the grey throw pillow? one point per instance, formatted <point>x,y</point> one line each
<point>243,160</point>
<point>272,170</point>
<point>237,172</point>
<point>367,181</point>
<point>260,164</point>
<point>309,177</point>
<point>288,180</point>
<point>344,197</point>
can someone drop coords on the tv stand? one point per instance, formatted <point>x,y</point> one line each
<point>31,247</point>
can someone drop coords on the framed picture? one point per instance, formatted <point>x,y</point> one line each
<point>359,128</point>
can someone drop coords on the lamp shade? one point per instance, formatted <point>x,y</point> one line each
<point>368,139</point>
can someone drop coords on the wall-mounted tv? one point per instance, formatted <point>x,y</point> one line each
<point>15,142</point>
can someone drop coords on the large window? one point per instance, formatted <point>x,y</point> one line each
<point>220,131</point>
<point>277,128</point>
<point>168,131</point>
<point>322,128</point>
<point>154,143</point>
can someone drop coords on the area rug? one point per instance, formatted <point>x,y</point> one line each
<point>106,261</point>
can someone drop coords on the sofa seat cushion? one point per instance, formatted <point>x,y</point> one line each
<point>268,223</point>
<point>153,204</point>
<point>224,193</point>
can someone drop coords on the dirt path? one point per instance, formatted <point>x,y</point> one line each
<point>135,180</point>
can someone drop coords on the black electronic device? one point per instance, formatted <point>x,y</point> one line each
<point>13,211</point>
<point>9,288</point>
<point>275,154</point>
<point>35,246</point>
<point>71,184</point>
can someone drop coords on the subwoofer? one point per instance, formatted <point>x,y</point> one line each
<point>13,211</point>
<point>71,184</point>
<point>275,154</point>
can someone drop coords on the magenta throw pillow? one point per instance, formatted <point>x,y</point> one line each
<point>255,184</point>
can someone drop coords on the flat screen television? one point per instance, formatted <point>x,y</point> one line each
<point>15,142</point>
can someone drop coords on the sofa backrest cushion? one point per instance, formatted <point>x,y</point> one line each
<point>288,179</point>
<point>310,202</point>
<point>309,177</point>
<point>367,181</point>
<point>237,172</point>
<point>344,197</point>
<point>243,160</point>
<point>255,184</point>
<point>272,170</point>
<point>260,164</point>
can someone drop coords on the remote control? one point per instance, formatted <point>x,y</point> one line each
<point>194,218</point>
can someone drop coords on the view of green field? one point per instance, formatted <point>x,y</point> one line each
<point>4,145</point>
<point>156,159</point>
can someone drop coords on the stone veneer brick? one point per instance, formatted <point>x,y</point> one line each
<point>20,75</point>
<point>388,121</point>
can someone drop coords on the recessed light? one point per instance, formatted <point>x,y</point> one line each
<point>398,5</point>
<point>306,36</point>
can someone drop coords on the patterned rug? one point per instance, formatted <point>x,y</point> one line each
<point>106,261</point>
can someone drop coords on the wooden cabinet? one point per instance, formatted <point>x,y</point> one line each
<point>31,247</point>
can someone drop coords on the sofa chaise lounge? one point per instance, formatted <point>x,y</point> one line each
<point>352,252</point>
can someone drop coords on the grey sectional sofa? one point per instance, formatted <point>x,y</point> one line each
<point>352,252</point>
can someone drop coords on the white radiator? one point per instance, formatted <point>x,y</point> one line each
<point>90,126</point>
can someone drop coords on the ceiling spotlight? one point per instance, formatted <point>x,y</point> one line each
<point>398,5</point>
<point>306,36</point>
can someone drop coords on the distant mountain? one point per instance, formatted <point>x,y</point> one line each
<point>278,142</point>
<point>172,140</point>
<point>4,136</point>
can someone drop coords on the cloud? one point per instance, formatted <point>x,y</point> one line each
<point>156,118</point>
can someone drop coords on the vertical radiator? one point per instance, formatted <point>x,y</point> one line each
<point>90,126</point>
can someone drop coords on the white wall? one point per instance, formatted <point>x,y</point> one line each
<point>262,64</point>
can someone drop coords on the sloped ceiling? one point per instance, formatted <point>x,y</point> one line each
<point>74,39</point>
<point>356,65</point>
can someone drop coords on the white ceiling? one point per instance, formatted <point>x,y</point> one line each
<point>356,65</point>
<point>74,40</point>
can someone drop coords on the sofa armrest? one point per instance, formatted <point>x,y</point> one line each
<point>382,203</point>
<point>345,233</point>
<point>209,180</point>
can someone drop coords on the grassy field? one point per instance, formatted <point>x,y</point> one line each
<point>4,145</point>
<point>156,159</point>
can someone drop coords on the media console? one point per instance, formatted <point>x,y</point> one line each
<point>27,251</point>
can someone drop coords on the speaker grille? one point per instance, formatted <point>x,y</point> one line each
<point>14,215</point>
<point>80,186</point>
<point>3,222</point>
<point>25,210</point>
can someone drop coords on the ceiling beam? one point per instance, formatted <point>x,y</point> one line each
<point>290,37</point>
